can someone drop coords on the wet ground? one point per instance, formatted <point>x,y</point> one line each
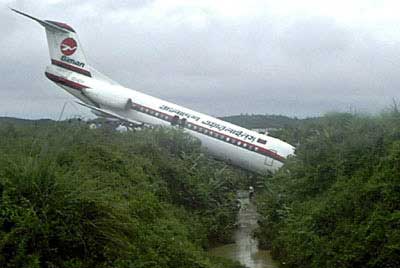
<point>245,249</point>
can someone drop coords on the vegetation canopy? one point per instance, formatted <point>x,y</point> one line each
<point>336,204</point>
<point>75,197</point>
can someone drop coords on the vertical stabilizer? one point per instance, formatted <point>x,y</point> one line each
<point>64,47</point>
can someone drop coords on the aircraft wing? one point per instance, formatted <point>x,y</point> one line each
<point>111,114</point>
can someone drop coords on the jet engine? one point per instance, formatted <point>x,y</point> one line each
<point>108,99</point>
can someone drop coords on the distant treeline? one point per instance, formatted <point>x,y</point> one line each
<point>337,203</point>
<point>75,197</point>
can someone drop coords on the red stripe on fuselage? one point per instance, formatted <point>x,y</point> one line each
<point>62,25</point>
<point>65,82</point>
<point>71,67</point>
<point>166,117</point>
<point>212,133</point>
<point>234,141</point>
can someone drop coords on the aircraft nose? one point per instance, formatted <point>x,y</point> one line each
<point>287,150</point>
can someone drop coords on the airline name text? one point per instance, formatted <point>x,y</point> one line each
<point>72,61</point>
<point>176,111</point>
<point>238,133</point>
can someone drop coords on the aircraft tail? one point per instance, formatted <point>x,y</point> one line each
<point>64,47</point>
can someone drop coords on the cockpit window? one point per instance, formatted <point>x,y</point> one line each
<point>262,141</point>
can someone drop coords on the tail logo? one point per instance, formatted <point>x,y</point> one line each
<point>68,46</point>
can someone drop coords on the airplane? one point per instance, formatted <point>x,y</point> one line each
<point>225,141</point>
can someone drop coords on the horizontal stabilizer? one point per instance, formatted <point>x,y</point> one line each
<point>110,114</point>
<point>46,24</point>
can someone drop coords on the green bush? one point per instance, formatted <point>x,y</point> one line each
<point>336,204</point>
<point>74,197</point>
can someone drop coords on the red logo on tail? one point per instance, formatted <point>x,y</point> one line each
<point>68,46</point>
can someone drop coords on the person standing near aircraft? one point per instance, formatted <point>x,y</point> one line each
<point>251,192</point>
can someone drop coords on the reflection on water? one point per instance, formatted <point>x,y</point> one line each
<point>245,249</point>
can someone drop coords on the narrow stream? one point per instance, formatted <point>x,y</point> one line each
<point>245,249</point>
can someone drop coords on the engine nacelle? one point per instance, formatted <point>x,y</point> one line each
<point>108,99</point>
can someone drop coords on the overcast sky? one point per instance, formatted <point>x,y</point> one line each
<point>297,58</point>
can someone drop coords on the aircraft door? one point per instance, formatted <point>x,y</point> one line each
<point>182,123</point>
<point>175,120</point>
<point>269,161</point>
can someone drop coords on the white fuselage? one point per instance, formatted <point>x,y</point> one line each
<point>225,141</point>
<point>228,142</point>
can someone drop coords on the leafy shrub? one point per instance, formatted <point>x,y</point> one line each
<point>74,197</point>
<point>337,203</point>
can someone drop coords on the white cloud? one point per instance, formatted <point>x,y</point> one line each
<point>221,57</point>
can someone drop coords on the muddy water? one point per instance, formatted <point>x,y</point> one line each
<point>245,249</point>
